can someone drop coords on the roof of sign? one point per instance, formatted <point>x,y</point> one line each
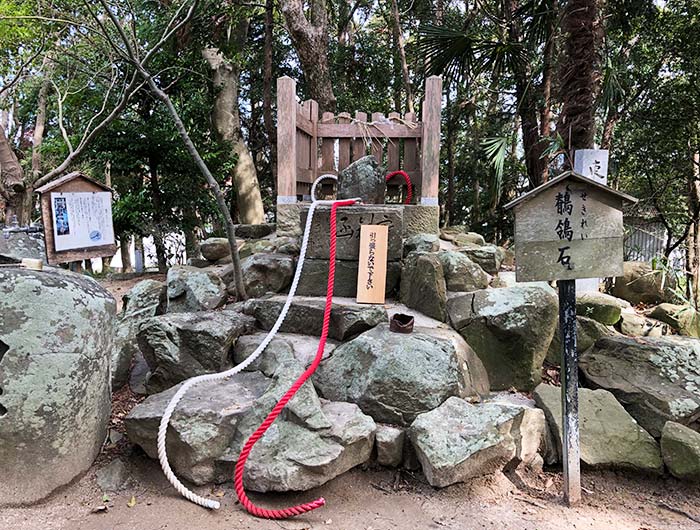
<point>67,178</point>
<point>574,176</point>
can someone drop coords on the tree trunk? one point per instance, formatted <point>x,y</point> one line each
<point>449,146</point>
<point>310,40</point>
<point>580,77</point>
<point>125,251</point>
<point>401,52</point>
<point>270,130</point>
<point>227,122</point>
<point>12,185</point>
<point>547,74</point>
<point>693,240</point>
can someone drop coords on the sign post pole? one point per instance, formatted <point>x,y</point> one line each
<point>569,392</point>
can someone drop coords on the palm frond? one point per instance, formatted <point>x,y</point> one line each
<point>496,150</point>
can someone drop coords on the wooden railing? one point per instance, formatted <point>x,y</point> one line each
<point>308,146</point>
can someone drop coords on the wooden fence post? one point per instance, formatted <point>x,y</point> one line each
<point>430,143</point>
<point>286,140</point>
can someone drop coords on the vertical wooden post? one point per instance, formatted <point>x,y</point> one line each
<point>569,392</point>
<point>430,143</point>
<point>286,140</point>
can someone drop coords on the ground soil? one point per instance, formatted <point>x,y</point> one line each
<point>373,499</point>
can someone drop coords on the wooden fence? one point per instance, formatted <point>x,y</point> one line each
<point>309,145</point>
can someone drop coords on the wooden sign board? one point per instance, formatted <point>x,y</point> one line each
<point>77,216</point>
<point>371,275</point>
<point>570,227</point>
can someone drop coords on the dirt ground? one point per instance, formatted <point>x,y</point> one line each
<point>373,499</point>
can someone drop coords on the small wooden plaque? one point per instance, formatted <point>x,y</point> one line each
<point>371,276</point>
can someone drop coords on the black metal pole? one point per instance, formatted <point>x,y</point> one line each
<point>569,392</point>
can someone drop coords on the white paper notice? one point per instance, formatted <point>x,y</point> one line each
<point>82,219</point>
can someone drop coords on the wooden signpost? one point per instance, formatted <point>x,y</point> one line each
<point>569,228</point>
<point>76,212</point>
<point>371,275</point>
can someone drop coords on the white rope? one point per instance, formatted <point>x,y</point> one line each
<point>165,420</point>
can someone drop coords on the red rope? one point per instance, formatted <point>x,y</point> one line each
<point>240,465</point>
<point>409,184</point>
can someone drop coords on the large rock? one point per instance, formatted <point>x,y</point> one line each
<point>420,219</point>
<point>421,243</point>
<point>680,448</point>
<point>682,318</point>
<point>364,179</point>
<point>349,221</point>
<point>458,441</point>
<point>469,238</point>
<point>636,325</point>
<point>193,289</point>
<point>389,441</point>
<point>309,444</point>
<point>314,278</point>
<point>423,285</point>
<point>587,332</point>
<point>20,245</point>
<point>461,273</point>
<point>488,257</point>
<point>282,348</point>
<point>394,377</point>
<point>602,307</point>
<point>178,346</point>
<point>510,329</point>
<point>265,273</point>
<point>215,248</point>
<point>656,379</point>
<point>448,233</point>
<point>640,283</point>
<point>56,331</point>
<point>145,300</point>
<point>305,316</point>
<point>255,231</point>
<point>610,438</point>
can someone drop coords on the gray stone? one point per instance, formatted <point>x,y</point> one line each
<point>56,332</point>
<point>282,348</point>
<point>178,346</point>
<point>680,448</point>
<point>20,245</point>
<point>257,231</point>
<point>682,318</point>
<point>113,476</point>
<point>288,223</point>
<point>200,263</point>
<point>642,284</point>
<point>215,248</point>
<point>193,289</point>
<point>306,316</point>
<point>587,332</point>
<point>602,307</point>
<point>421,243</point>
<point>656,379</point>
<point>145,300</point>
<point>308,445</point>
<point>389,441</point>
<point>510,329</point>
<point>265,273</point>
<point>394,377</point>
<point>610,438</point>
<point>488,257</point>
<point>423,285</point>
<point>458,441</point>
<point>349,221</point>
<point>448,233</point>
<point>364,179</point>
<point>314,278</point>
<point>420,219</point>
<point>461,273</point>
<point>469,238</point>
<point>640,326</point>
<point>139,374</point>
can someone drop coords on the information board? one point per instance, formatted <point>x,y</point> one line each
<point>82,220</point>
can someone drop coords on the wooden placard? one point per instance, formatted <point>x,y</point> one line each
<point>568,231</point>
<point>371,275</point>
